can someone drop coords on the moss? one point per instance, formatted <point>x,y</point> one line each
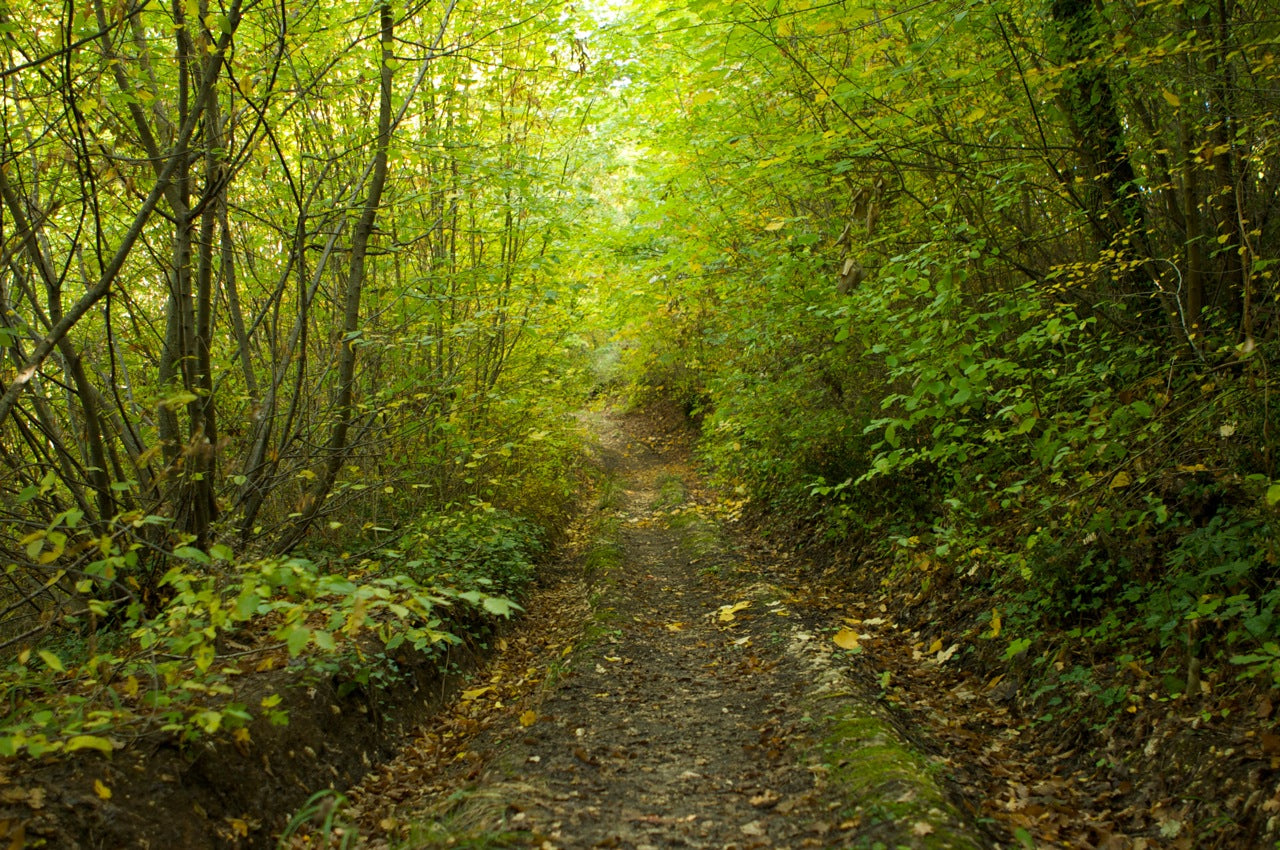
<point>890,793</point>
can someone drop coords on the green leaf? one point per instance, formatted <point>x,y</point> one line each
<point>53,661</point>
<point>178,400</point>
<point>1273,495</point>
<point>499,606</point>
<point>190,553</point>
<point>296,639</point>
<point>247,604</point>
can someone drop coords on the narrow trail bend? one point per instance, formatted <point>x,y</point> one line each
<point>659,692</point>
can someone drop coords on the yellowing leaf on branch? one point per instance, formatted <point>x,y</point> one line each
<point>995,623</point>
<point>89,742</point>
<point>1171,98</point>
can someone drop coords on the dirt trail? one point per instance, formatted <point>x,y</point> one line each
<point>658,693</point>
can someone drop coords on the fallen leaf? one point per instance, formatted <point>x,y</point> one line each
<point>752,828</point>
<point>103,792</point>
<point>846,639</point>
<point>529,718</point>
<point>935,646</point>
<point>922,828</point>
<point>766,799</point>
<point>995,623</point>
<point>16,832</point>
<point>239,827</point>
<point>675,627</point>
<point>727,612</point>
<point>476,693</point>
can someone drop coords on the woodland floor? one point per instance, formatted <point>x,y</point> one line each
<point>678,681</point>
<point>675,682</point>
<point>664,689</point>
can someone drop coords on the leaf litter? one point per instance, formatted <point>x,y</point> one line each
<point>659,703</point>
<point>738,697</point>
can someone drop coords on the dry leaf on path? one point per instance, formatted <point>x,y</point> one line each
<point>846,639</point>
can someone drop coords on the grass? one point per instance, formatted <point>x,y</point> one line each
<point>469,818</point>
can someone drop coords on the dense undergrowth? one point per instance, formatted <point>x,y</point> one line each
<point>990,316</point>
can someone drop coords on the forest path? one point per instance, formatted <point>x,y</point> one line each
<point>658,692</point>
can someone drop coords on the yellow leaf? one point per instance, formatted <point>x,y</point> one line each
<point>675,627</point>
<point>239,827</point>
<point>88,742</point>
<point>529,718</point>
<point>936,646</point>
<point>476,693</point>
<point>54,662</point>
<point>1120,480</point>
<point>242,735</point>
<point>846,639</point>
<point>1172,98</point>
<point>727,612</point>
<point>995,623</point>
<point>776,224</point>
<point>103,792</point>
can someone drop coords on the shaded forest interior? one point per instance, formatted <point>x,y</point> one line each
<point>972,301</point>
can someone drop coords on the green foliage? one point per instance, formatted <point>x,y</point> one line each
<point>173,668</point>
<point>323,816</point>
<point>979,278</point>
<point>478,548</point>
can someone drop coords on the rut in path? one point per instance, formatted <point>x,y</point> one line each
<point>691,710</point>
